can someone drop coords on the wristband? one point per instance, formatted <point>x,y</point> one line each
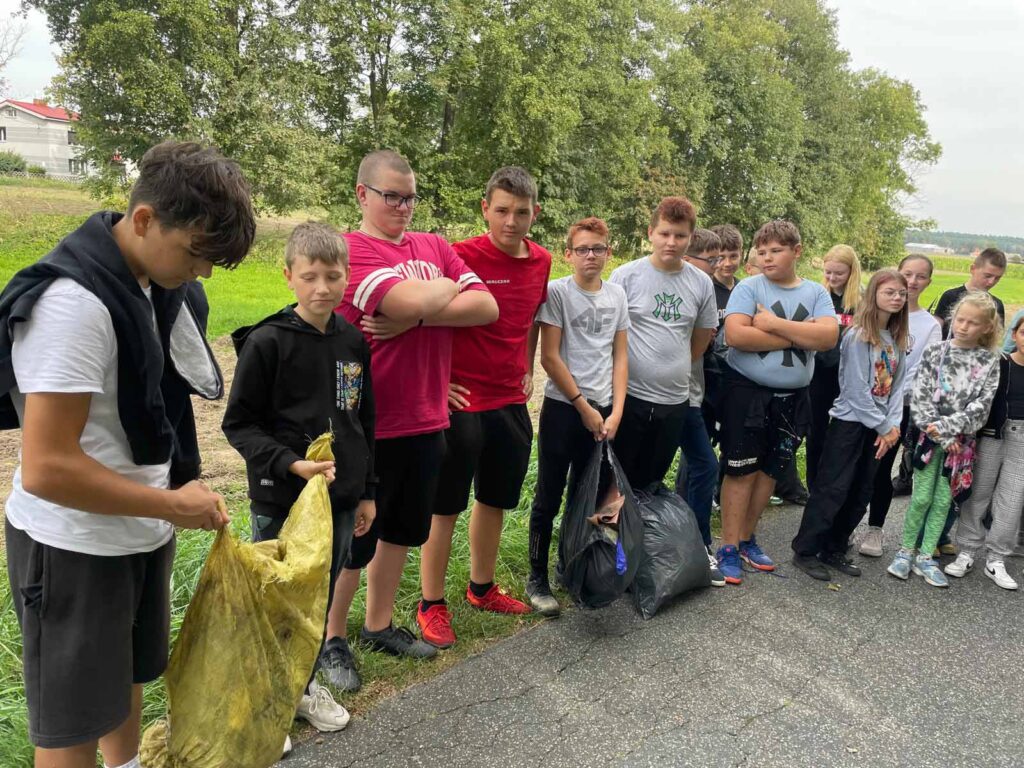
<point>574,399</point>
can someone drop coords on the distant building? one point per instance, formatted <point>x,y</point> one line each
<point>41,134</point>
<point>926,248</point>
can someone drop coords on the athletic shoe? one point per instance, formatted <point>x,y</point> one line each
<point>812,567</point>
<point>339,665</point>
<point>901,564</point>
<point>959,567</point>
<point>287,748</point>
<point>728,558</point>
<point>775,501</point>
<point>319,709</point>
<point>538,592</point>
<point>927,568</point>
<point>871,544</point>
<point>799,498</point>
<point>948,549</point>
<point>496,601</point>
<point>398,641</point>
<point>996,570</point>
<point>754,556</point>
<point>717,579</point>
<point>840,562</point>
<point>436,625</point>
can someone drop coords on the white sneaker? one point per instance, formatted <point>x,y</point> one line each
<point>963,563</point>
<point>871,544</point>
<point>287,748</point>
<point>320,710</point>
<point>996,571</point>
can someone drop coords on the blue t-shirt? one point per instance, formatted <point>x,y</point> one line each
<point>786,368</point>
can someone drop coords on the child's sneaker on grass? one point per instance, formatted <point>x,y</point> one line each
<point>729,564</point>
<point>996,570</point>
<point>398,641</point>
<point>436,625</point>
<point>901,564</point>
<point>339,665</point>
<point>717,578</point>
<point>754,556</point>
<point>496,601</point>
<point>928,569</point>
<point>959,567</point>
<point>319,709</point>
<point>538,592</point>
<point>871,544</point>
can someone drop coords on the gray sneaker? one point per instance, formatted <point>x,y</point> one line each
<point>339,666</point>
<point>538,592</point>
<point>398,641</point>
<point>871,544</point>
<point>901,564</point>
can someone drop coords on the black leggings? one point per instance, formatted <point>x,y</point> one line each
<point>881,498</point>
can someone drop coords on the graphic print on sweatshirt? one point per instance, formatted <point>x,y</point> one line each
<point>800,314</point>
<point>666,306</point>
<point>594,320</point>
<point>885,367</point>
<point>349,383</point>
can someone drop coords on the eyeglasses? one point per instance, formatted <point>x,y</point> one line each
<point>714,262</point>
<point>893,294</point>
<point>395,200</point>
<point>597,250</point>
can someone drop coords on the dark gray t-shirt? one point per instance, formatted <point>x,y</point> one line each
<point>664,308</point>
<point>589,322</point>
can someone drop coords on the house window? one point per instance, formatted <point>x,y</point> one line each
<point>10,112</point>
<point>72,137</point>
<point>3,133</point>
<point>76,166</point>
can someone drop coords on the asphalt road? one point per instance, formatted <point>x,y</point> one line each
<point>781,671</point>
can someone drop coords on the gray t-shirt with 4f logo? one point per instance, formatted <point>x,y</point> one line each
<point>589,321</point>
<point>664,308</point>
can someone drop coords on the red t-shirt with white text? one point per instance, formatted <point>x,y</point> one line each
<point>490,360</point>
<point>411,371</point>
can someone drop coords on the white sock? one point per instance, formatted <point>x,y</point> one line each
<point>133,763</point>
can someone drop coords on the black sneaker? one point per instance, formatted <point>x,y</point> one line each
<point>717,577</point>
<point>799,497</point>
<point>812,567</point>
<point>538,592</point>
<point>339,666</point>
<point>398,641</point>
<point>840,562</point>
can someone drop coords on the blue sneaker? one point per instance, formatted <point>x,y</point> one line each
<point>729,564</point>
<point>901,564</point>
<point>754,556</point>
<point>925,566</point>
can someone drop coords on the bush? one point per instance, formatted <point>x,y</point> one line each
<point>36,170</point>
<point>11,162</point>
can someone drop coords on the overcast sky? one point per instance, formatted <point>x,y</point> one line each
<point>966,59</point>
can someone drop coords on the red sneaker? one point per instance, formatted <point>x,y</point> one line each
<point>496,601</point>
<point>436,625</point>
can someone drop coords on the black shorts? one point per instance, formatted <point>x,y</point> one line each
<point>761,428</point>
<point>489,450</point>
<point>408,470</point>
<point>91,626</point>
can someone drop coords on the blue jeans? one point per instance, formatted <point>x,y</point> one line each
<point>698,470</point>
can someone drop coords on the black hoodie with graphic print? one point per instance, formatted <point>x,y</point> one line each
<point>292,383</point>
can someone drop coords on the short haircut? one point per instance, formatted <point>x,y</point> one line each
<point>778,231</point>
<point>589,224</point>
<point>513,179</point>
<point>731,238</point>
<point>675,210</point>
<point>702,240</point>
<point>991,256</point>
<point>316,241</point>
<point>372,164</point>
<point>984,302</point>
<point>917,257</point>
<point>194,187</point>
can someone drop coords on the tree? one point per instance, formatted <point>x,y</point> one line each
<point>12,32</point>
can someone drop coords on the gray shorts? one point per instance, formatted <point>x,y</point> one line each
<point>91,626</point>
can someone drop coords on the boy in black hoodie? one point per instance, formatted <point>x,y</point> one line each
<point>300,372</point>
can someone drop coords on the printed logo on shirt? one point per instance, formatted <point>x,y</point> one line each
<point>417,269</point>
<point>593,321</point>
<point>800,314</point>
<point>349,385</point>
<point>667,307</point>
<point>845,321</point>
<point>267,482</point>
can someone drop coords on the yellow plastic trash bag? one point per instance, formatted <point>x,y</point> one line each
<point>248,642</point>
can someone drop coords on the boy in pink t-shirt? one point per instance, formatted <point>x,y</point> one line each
<point>407,291</point>
<point>488,443</point>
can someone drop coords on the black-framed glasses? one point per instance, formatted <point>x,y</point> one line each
<point>395,200</point>
<point>712,262</point>
<point>597,250</point>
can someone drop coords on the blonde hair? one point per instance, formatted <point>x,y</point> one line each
<point>844,254</point>
<point>981,300</point>
<point>867,317</point>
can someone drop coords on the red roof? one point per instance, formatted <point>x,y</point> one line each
<point>50,113</point>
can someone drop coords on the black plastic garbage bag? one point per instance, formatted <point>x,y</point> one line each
<point>674,558</point>
<point>598,563</point>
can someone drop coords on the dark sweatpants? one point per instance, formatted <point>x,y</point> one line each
<point>647,440</point>
<point>840,496</point>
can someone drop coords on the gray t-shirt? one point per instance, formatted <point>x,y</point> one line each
<point>784,368</point>
<point>664,308</point>
<point>589,321</point>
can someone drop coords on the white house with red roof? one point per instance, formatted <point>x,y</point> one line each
<point>41,134</point>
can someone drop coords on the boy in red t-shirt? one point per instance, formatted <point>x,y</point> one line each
<point>407,291</point>
<point>488,443</point>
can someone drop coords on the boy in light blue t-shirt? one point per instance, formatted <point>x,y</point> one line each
<point>774,323</point>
